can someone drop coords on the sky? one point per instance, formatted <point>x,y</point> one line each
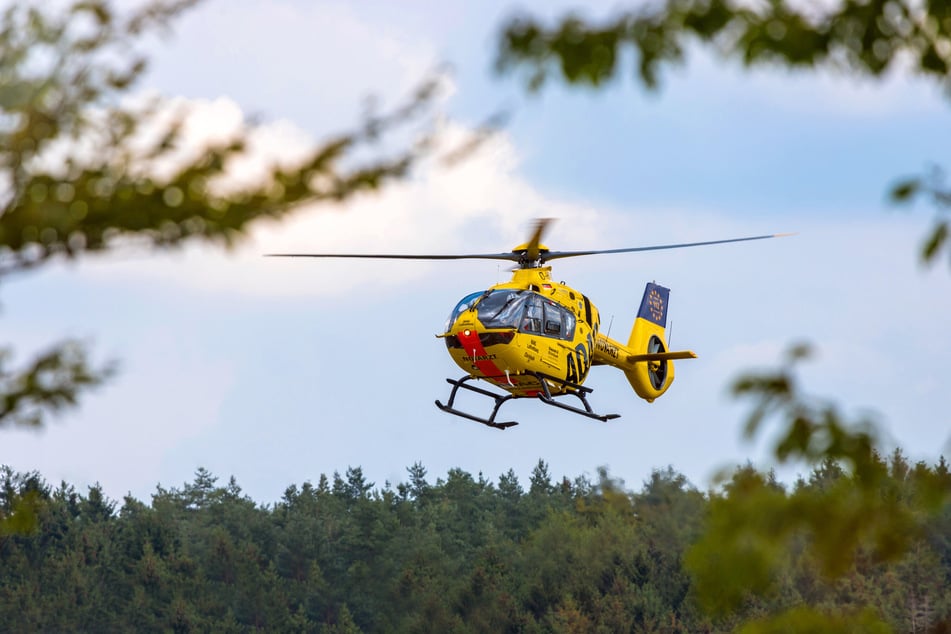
<point>278,371</point>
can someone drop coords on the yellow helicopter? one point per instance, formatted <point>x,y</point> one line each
<point>533,337</point>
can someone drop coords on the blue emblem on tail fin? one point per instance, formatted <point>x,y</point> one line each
<point>654,304</point>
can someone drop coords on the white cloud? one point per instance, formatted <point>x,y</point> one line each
<point>314,62</point>
<point>462,208</point>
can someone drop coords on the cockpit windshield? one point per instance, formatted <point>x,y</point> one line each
<point>523,310</point>
<point>502,308</point>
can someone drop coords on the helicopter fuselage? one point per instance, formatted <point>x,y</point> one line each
<point>529,327</point>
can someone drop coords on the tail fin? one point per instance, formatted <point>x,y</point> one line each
<point>653,308</point>
<point>651,376</point>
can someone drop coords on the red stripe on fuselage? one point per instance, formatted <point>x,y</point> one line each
<point>473,345</point>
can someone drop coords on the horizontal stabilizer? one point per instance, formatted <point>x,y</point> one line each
<point>662,356</point>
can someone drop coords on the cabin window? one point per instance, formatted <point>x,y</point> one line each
<point>547,318</point>
<point>553,322</point>
<point>559,322</point>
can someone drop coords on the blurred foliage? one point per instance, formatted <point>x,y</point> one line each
<point>857,509</point>
<point>84,168</point>
<point>862,38</point>
<point>461,554</point>
<point>50,383</point>
<point>932,186</point>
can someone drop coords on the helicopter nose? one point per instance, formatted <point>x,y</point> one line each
<point>485,339</point>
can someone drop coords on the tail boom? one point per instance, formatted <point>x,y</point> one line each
<point>607,351</point>
<point>645,360</point>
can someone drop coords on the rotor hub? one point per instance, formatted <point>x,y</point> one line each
<point>529,260</point>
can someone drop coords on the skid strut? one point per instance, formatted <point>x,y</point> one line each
<point>578,390</point>
<point>490,421</point>
<point>544,395</point>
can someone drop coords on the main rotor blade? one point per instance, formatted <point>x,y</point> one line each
<point>554,255</point>
<point>512,257</point>
<point>532,251</point>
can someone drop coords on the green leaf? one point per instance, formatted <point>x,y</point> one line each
<point>934,242</point>
<point>906,190</point>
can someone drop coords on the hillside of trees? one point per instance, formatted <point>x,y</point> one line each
<point>461,553</point>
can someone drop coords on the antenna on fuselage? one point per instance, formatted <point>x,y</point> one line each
<point>610,323</point>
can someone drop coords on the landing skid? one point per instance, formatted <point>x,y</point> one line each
<point>544,396</point>
<point>579,390</point>
<point>490,421</point>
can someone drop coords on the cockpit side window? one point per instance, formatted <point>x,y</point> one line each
<point>534,314</point>
<point>464,304</point>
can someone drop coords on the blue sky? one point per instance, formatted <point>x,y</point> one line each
<point>278,371</point>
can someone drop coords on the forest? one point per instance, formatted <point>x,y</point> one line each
<point>462,553</point>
